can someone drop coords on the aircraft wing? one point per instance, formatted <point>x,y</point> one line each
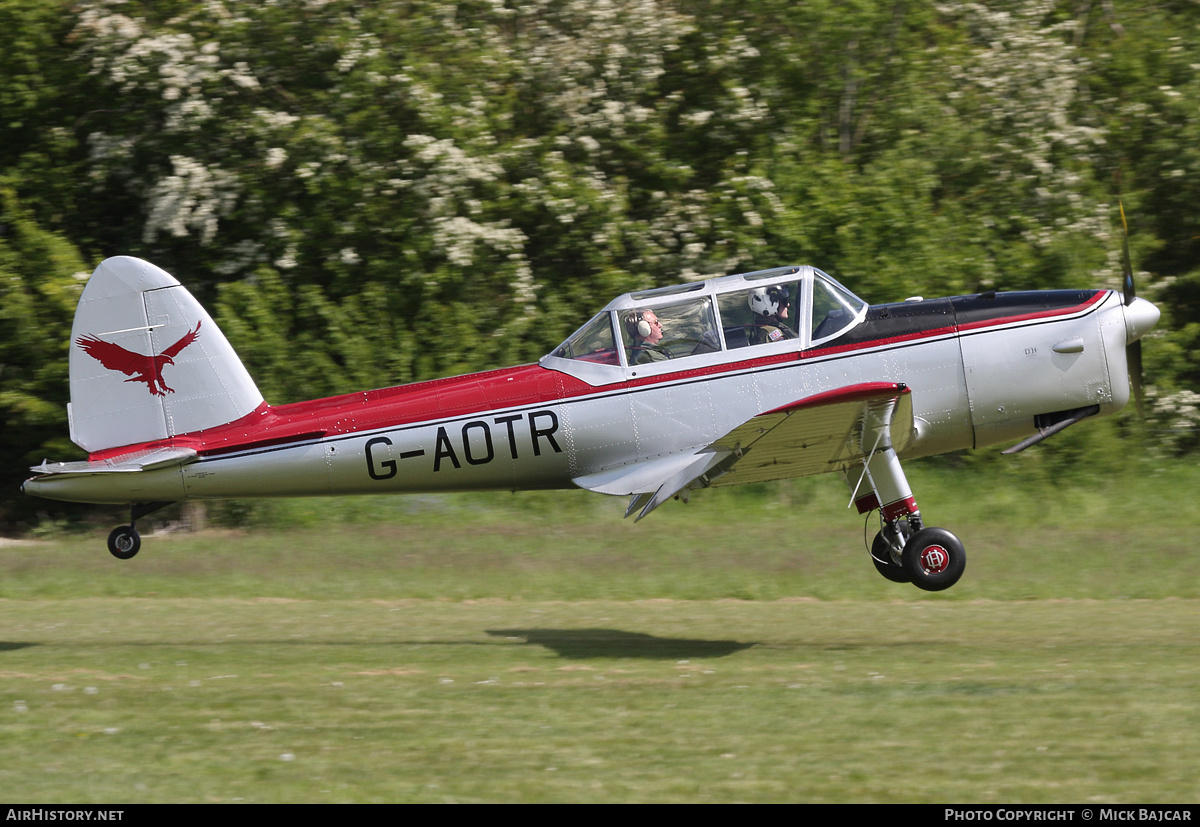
<point>825,432</point>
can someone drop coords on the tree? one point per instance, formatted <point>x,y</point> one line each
<point>41,279</point>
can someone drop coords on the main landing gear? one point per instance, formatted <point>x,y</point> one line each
<point>904,551</point>
<point>124,541</point>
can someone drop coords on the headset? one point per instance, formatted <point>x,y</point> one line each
<point>636,324</point>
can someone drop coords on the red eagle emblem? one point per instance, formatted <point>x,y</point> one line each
<point>137,367</point>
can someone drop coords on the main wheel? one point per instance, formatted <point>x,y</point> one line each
<point>934,559</point>
<point>124,542</point>
<point>881,556</point>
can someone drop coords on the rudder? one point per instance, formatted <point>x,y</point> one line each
<point>147,361</point>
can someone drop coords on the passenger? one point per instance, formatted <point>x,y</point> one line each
<point>770,306</point>
<point>645,331</point>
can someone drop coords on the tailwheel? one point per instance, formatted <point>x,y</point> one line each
<point>934,559</point>
<point>124,542</point>
<point>886,551</point>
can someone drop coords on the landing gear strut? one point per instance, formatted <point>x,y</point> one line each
<point>124,541</point>
<point>904,550</point>
<point>888,547</point>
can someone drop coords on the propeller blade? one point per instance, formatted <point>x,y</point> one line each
<point>1133,351</point>
<point>1130,289</point>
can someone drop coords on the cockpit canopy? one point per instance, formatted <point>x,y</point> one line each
<point>682,326</point>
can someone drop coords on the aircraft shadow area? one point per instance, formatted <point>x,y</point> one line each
<point>12,647</point>
<point>613,643</point>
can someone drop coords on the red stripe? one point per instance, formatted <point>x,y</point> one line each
<point>948,330</point>
<point>890,340</point>
<point>1100,295</point>
<point>387,407</point>
<point>712,370</point>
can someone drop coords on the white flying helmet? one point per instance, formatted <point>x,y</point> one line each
<point>768,301</point>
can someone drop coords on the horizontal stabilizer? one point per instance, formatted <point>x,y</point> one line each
<point>126,463</point>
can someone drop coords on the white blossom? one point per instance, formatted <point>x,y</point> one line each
<point>190,200</point>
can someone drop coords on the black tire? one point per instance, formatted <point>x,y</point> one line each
<point>124,542</point>
<point>881,556</point>
<point>934,559</point>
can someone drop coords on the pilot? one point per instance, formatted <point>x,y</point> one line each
<point>645,331</point>
<point>770,306</point>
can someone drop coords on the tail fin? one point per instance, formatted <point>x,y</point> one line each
<point>147,362</point>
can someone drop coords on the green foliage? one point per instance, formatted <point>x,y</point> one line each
<point>40,282</point>
<point>405,190</point>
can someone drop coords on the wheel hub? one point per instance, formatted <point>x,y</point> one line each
<point>934,559</point>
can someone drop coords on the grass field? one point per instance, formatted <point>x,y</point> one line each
<point>538,648</point>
